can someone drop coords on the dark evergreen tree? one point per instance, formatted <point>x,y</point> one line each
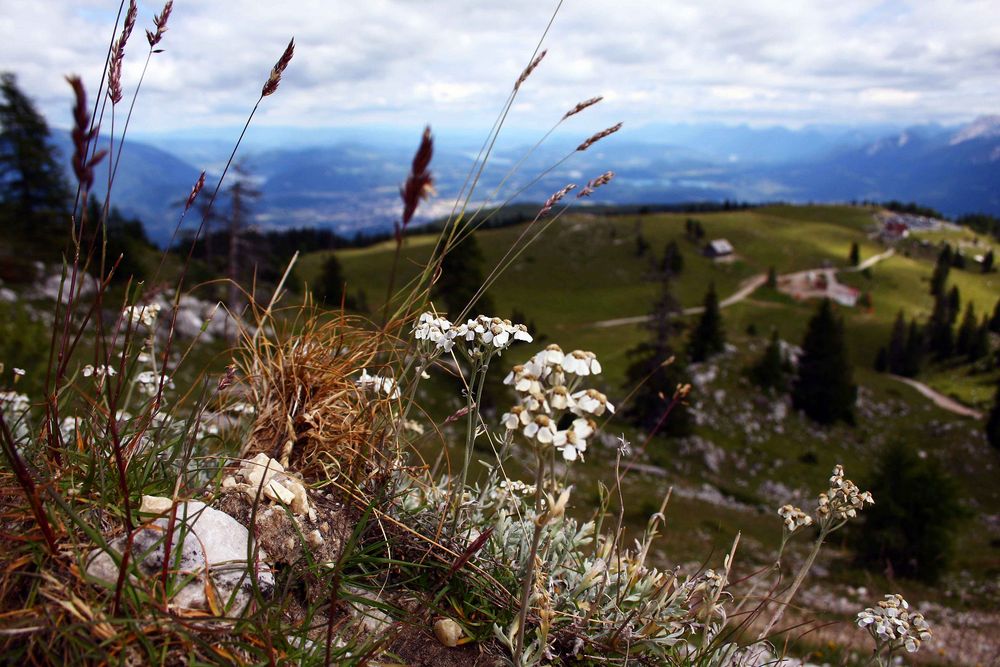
<point>855,255</point>
<point>824,388</point>
<point>461,277</point>
<point>940,276</point>
<point>911,527</point>
<point>34,196</point>
<point>641,244</point>
<point>993,421</point>
<point>708,337</point>
<point>673,260</point>
<point>958,260</point>
<point>913,358</point>
<point>651,379</point>
<point>332,286</point>
<point>967,331</point>
<point>981,342</point>
<point>995,318</point>
<point>882,360</point>
<point>772,278</point>
<point>772,369</point>
<point>987,264</point>
<point>940,336</point>
<point>954,304</point>
<point>896,352</point>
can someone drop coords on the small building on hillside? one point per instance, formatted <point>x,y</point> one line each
<point>719,248</point>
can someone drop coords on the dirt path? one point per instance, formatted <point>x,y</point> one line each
<point>940,400</point>
<point>747,287</point>
<point>871,261</point>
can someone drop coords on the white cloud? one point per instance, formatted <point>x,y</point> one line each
<point>452,62</point>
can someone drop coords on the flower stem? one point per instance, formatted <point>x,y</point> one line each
<point>529,567</point>
<point>799,578</point>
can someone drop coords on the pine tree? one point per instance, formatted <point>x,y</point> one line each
<point>461,277</point>
<point>824,388</point>
<point>940,276</point>
<point>993,421</point>
<point>896,352</point>
<point>987,264</point>
<point>331,287</point>
<point>653,380</point>
<point>772,278</point>
<point>707,338</point>
<point>940,337</point>
<point>995,318</point>
<point>954,304</point>
<point>981,342</point>
<point>913,357</point>
<point>855,255</point>
<point>771,370</point>
<point>967,331</point>
<point>34,195</point>
<point>882,360</point>
<point>673,260</point>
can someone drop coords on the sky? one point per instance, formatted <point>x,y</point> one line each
<point>402,63</point>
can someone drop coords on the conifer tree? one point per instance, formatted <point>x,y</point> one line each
<point>993,421</point>
<point>913,357</point>
<point>855,255</point>
<point>771,370</point>
<point>331,288</point>
<point>981,342</point>
<point>967,331</point>
<point>940,276</point>
<point>882,360</point>
<point>954,304</point>
<point>940,337</point>
<point>673,260</point>
<point>995,318</point>
<point>653,380</point>
<point>987,264</point>
<point>896,351</point>
<point>707,338</point>
<point>461,277</point>
<point>772,278</point>
<point>824,387</point>
<point>34,195</point>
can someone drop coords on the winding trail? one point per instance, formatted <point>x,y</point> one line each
<point>940,400</point>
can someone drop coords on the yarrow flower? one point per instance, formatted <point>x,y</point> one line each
<point>149,382</point>
<point>547,389</point>
<point>482,335</point>
<point>378,384</point>
<point>843,500</point>
<point>891,623</point>
<point>145,314</point>
<point>99,371</point>
<point>14,402</point>
<point>794,518</point>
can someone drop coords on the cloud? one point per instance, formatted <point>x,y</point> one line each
<point>452,62</point>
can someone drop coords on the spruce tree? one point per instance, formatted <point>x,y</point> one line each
<point>913,358</point>
<point>461,277</point>
<point>34,195</point>
<point>940,276</point>
<point>967,331</point>
<point>954,304</point>
<point>673,260</point>
<point>855,255</point>
<point>771,370</point>
<point>772,278</point>
<point>707,338</point>
<point>331,287</point>
<point>995,318</point>
<point>987,264</point>
<point>940,337</point>
<point>882,360</point>
<point>981,342</point>
<point>993,421</point>
<point>896,352</point>
<point>824,387</point>
<point>652,379</point>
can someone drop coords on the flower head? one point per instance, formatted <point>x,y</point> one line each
<point>794,518</point>
<point>891,623</point>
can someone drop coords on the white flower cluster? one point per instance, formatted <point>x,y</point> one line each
<point>149,382</point>
<point>843,500</point>
<point>99,371</point>
<point>794,518</point>
<point>482,334</point>
<point>145,314</point>
<point>378,384</point>
<point>546,386</point>
<point>13,402</point>
<point>892,621</point>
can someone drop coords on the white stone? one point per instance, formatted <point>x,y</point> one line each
<point>275,491</point>
<point>155,505</point>
<point>208,548</point>
<point>259,470</point>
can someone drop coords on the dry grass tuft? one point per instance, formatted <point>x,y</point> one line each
<point>310,413</point>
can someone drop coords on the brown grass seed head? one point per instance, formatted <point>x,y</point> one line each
<point>529,69</point>
<point>160,22</point>
<point>274,79</point>
<point>597,137</point>
<point>582,105</point>
<point>419,183</point>
<point>83,168</point>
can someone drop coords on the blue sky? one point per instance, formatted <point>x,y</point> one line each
<point>452,62</point>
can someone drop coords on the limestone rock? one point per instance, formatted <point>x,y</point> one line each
<point>208,550</point>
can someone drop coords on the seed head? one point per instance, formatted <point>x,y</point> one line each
<point>274,79</point>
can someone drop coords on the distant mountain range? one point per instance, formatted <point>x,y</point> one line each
<point>351,184</point>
